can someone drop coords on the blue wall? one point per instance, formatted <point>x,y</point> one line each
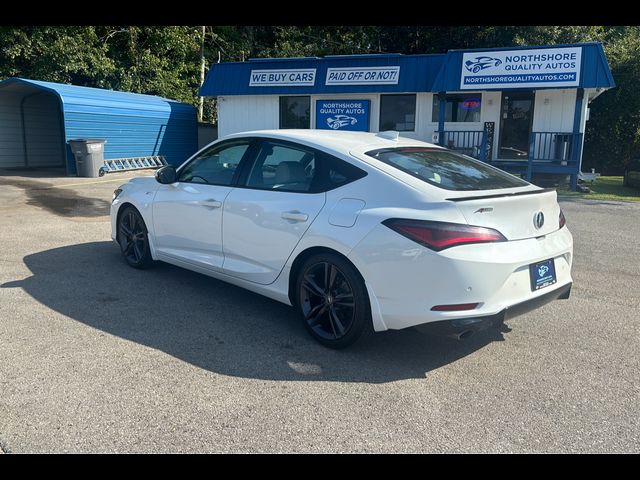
<point>132,124</point>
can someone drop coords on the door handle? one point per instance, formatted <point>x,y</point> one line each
<point>210,203</point>
<point>295,216</point>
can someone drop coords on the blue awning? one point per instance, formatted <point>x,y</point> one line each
<point>415,73</point>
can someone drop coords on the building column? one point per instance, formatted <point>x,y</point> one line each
<point>442,98</point>
<point>576,151</point>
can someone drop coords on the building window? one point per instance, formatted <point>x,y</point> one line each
<point>398,112</point>
<point>295,112</point>
<point>460,107</point>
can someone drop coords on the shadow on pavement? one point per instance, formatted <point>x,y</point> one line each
<point>219,327</point>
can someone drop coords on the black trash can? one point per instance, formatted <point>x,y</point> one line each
<point>89,154</point>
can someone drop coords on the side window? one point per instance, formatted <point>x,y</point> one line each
<point>398,112</point>
<point>340,173</point>
<point>459,107</point>
<point>284,168</point>
<point>295,112</point>
<point>215,166</point>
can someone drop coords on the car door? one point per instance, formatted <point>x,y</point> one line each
<point>187,215</point>
<point>277,199</point>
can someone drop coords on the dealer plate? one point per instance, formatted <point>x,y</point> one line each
<point>542,274</point>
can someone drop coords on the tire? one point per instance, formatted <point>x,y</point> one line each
<point>336,316</point>
<point>133,238</point>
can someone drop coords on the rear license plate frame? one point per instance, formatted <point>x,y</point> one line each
<point>542,274</point>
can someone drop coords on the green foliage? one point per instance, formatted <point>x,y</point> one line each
<point>165,60</point>
<point>58,54</point>
<point>613,131</point>
<point>155,60</point>
<point>606,188</point>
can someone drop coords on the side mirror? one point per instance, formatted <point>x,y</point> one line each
<point>166,175</point>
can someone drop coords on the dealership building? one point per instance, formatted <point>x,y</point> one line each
<point>521,109</point>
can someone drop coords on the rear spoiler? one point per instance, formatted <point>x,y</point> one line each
<point>498,195</point>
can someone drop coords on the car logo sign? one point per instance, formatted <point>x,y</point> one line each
<point>538,220</point>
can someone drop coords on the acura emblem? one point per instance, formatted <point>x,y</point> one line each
<point>538,220</point>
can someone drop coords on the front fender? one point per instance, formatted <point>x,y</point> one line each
<point>141,196</point>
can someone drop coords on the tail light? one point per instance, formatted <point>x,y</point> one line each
<point>440,235</point>
<point>562,221</point>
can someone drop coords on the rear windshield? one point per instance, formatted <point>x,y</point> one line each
<point>446,169</point>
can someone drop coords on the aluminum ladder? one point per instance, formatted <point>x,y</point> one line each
<point>132,163</point>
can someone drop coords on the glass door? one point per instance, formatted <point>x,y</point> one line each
<point>515,124</point>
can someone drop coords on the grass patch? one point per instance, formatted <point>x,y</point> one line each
<point>606,188</point>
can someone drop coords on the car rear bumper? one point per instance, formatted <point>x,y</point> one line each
<point>460,327</point>
<point>406,281</point>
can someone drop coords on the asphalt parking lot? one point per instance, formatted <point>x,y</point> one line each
<point>98,357</point>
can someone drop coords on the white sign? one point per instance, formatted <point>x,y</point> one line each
<point>293,77</point>
<point>540,67</point>
<point>363,76</point>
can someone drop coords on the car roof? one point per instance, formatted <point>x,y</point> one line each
<point>354,145</point>
<point>341,141</point>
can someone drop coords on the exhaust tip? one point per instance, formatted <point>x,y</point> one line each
<point>461,335</point>
<point>465,334</point>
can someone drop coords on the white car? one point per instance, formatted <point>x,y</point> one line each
<point>356,230</point>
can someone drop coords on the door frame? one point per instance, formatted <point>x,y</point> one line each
<point>316,192</point>
<point>189,256</point>
<point>532,93</point>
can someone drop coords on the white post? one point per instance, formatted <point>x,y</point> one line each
<point>202,67</point>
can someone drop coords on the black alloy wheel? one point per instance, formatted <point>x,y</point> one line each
<point>133,239</point>
<point>333,300</point>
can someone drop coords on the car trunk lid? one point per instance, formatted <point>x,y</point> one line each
<point>517,215</point>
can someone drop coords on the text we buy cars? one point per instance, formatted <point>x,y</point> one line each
<point>283,77</point>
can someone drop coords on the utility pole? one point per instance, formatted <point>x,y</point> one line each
<point>202,67</point>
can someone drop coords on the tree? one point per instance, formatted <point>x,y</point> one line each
<point>613,132</point>
<point>165,61</point>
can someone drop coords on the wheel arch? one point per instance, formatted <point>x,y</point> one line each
<point>304,255</point>
<point>142,263</point>
<point>121,208</point>
<point>377,320</point>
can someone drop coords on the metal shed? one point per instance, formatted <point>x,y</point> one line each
<point>38,118</point>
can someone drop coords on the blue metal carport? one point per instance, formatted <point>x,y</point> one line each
<point>37,119</point>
